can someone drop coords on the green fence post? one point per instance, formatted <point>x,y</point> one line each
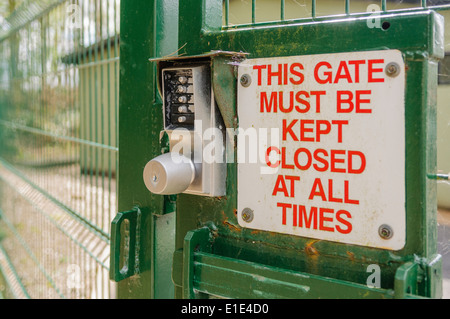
<point>148,30</point>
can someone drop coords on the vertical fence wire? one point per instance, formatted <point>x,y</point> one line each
<point>313,8</point>
<point>227,11</point>
<point>58,147</point>
<point>253,11</point>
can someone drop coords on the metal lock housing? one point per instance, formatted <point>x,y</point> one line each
<point>189,111</point>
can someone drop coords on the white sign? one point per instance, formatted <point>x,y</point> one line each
<point>321,147</point>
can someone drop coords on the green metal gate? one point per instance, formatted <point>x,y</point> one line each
<point>58,152</point>
<point>213,256</point>
<point>60,115</point>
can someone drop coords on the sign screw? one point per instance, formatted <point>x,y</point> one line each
<point>392,69</point>
<point>247,215</point>
<point>246,80</point>
<point>385,231</point>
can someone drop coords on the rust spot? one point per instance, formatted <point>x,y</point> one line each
<point>235,212</point>
<point>351,255</point>
<point>310,250</point>
<point>230,225</point>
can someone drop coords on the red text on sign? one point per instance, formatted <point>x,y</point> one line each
<point>280,185</point>
<point>348,71</point>
<point>280,74</point>
<point>320,160</point>
<point>318,190</point>
<point>317,218</point>
<point>305,130</point>
<point>348,102</point>
<point>287,102</point>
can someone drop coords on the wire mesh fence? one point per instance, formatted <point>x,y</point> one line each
<point>59,75</point>
<point>248,12</point>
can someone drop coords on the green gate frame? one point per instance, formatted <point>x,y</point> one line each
<point>209,244</point>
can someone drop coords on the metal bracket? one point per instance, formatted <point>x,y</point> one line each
<point>421,278</point>
<point>205,272</point>
<point>125,228</point>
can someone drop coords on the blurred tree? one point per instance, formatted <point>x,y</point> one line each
<point>7,7</point>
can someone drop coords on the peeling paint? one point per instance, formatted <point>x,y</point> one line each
<point>231,226</point>
<point>310,250</point>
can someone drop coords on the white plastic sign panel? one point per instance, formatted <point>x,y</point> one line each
<point>321,147</point>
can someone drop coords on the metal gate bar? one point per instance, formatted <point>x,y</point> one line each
<point>59,70</point>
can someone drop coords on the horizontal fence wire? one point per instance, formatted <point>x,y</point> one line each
<point>24,128</point>
<point>28,11</point>
<point>244,13</point>
<point>59,93</point>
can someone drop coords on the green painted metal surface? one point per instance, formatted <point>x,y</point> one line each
<point>208,274</point>
<point>62,136</point>
<point>213,254</point>
<point>147,30</point>
<point>421,48</point>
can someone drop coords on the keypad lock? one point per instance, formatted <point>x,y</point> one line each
<point>179,103</point>
<point>194,125</point>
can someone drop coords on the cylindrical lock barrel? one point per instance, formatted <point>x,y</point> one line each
<point>169,173</point>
